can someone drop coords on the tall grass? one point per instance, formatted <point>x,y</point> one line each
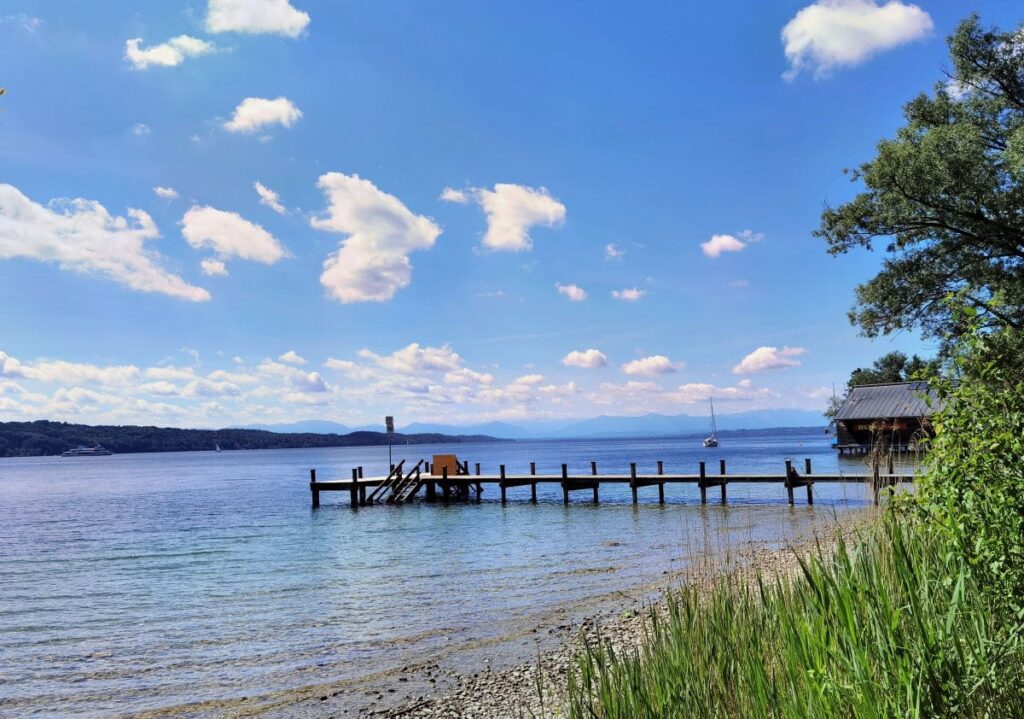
<point>893,625</point>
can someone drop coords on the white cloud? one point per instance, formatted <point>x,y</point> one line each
<point>721,243</point>
<point>165,193</point>
<point>372,263</point>
<point>230,235</point>
<point>650,366</point>
<point>450,194</point>
<point>574,292</point>
<point>141,129</point>
<point>835,33</point>
<point>740,283</point>
<point>613,252</point>
<point>511,211</point>
<point>27,22</point>
<point>769,358</point>
<point>292,357</point>
<point>168,54</point>
<point>465,375</point>
<point>413,359</point>
<point>213,268</point>
<point>630,294</point>
<point>276,17</point>
<point>81,236</point>
<point>587,359</point>
<point>253,114</point>
<point>269,198</point>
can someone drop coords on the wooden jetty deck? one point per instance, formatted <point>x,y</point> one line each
<point>402,485</point>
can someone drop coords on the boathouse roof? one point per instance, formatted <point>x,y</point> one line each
<point>889,401</point>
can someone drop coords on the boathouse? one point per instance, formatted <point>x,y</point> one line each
<point>894,416</point>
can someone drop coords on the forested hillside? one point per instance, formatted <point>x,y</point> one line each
<point>43,437</point>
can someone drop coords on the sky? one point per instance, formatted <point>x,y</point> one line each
<point>262,211</point>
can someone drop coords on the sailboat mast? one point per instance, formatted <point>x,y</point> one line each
<point>714,425</point>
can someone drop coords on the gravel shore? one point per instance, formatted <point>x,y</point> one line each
<point>488,682</point>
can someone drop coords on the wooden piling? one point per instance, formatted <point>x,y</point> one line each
<point>703,487</point>
<point>533,468</point>
<point>661,467</point>
<point>313,490</point>
<point>810,484</point>
<point>593,468</point>
<point>354,489</point>
<point>446,490</point>
<point>360,468</point>
<point>501,469</point>
<point>565,484</point>
<point>721,471</point>
<point>632,479</point>
<point>789,481</point>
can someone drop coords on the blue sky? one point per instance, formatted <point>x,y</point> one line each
<point>558,129</point>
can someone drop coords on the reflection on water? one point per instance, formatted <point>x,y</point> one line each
<point>145,581</point>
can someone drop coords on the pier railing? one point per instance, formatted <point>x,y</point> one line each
<point>402,486</point>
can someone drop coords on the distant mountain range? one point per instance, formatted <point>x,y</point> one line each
<point>648,425</point>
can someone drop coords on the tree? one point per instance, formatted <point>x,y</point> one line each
<point>893,367</point>
<point>946,195</point>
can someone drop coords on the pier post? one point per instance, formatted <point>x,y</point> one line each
<point>661,467</point>
<point>632,479</point>
<point>477,469</point>
<point>431,490</point>
<point>721,471</point>
<point>593,468</point>
<point>501,470</point>
<point>789,482</point>
<point>876,480</point>
<point>533,468</point>
<point>703,487</point>
<point>446,491</point>
<point>360,468</point>
<point>565,485</point>
<point>362,488</point>
<point>313,490</point>
<point>810,485</point>
<point>353,492</point>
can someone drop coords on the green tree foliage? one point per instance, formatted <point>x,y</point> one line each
<point>945,195</point>
<point>893,367</point>
<point>974,488</point>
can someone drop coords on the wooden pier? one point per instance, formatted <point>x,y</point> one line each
<point>404,485</point>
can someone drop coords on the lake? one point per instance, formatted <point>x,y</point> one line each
<point>138,582</point>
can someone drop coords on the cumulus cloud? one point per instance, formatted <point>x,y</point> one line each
<point>213,268</point>
<point>165,193</point>
<point>630,294</point>
<point>450,194</point>
<point>613,252</point>
<point>574,292</point>
<point>650,366</point>
<point>372,263</point>
<point>269,198</point>
<point>588,359</point>
<point>141,130</point>
<point>292,357</point>
<point>81,236</point>
<point>769,358</point>
<point>168,54</point>
<point>277,17</point>
<point>230,235</point>
<point>511,211</point>
<point>254,114</point>
<point>834,33</point>
<point>729,243</point>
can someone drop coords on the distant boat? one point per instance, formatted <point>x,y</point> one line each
<point>712,439</point>
<point>216,447</point>
<point>82,451</point>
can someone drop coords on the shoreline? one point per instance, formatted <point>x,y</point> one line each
<point>499,676</point>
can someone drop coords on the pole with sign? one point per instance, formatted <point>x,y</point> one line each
<point>389,422</point>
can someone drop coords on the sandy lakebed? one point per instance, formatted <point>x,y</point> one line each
<point>522,673</point>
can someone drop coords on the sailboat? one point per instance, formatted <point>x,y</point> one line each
<point>712,439</point>
<point>216,447</point>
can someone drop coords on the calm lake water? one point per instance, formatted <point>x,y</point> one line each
<point>138,582</point>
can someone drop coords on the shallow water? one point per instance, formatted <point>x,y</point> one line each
<point>137,582</point>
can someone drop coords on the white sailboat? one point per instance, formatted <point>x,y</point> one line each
<point>712,439</point>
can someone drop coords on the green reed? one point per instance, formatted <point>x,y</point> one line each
<point>892,625</point>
